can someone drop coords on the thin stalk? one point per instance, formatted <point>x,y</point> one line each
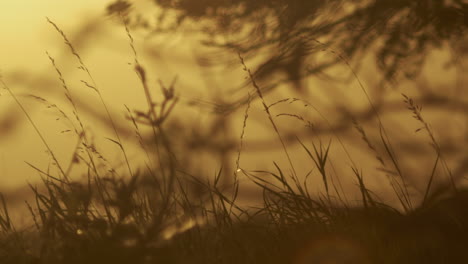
<point>38,132</point>
<point>267,110</point>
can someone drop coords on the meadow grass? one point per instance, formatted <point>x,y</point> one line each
<point>163,214</point>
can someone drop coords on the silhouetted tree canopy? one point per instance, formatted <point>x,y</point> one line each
<point>400,32</point>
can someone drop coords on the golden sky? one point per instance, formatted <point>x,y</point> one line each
<point>104,46</point>
<point>26,36</point>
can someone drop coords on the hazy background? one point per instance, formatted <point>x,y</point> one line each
<point>103,44</point>
<point>25,37</point>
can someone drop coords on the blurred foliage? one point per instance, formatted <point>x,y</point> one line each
<point>400,32</point>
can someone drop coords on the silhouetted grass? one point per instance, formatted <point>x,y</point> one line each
<point>163,214</point>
